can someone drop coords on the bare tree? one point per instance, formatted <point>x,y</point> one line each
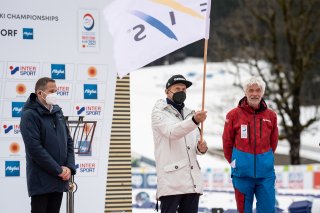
<point>286,35</point>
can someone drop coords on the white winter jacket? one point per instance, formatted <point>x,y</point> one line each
<point>175,140</point>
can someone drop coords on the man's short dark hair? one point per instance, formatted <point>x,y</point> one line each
<point>42,83</point>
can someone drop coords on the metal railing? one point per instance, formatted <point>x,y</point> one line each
<point>82,133</point>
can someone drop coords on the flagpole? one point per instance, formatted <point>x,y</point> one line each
<point>204,82</point>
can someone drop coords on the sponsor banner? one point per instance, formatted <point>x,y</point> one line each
<point>17,33</point>
<point>11,16</point>
<point>27,33</point>
<point>1,116</point>
<point>228,178</point>
<point>91,91</point>
<point>1,89</point>
<point>59,71</point>
<point>295,180</point>
<point>22,70</point>
<point>66,107</point>
<point>280,180</point>
<point>7,32</point>
<point>10,128</point>
<point>137,180</point>
<point>144,200</point>
<point>98,132</point>
<point>147,180</point>
<point>294,177</point>
<point>12,148</point>
<point>151,180</point>
<point>12,168</point>
<point>64,90</point>
<point>316,180</point>
<point>87,168</point>
<point>12,109</point>
<point>88,30</point>
<point>85,149</point>
<point>18,90</point>
<point>218,179</point>
<point>1,168</point>
<point>89,110</point>
<point>1,71</point>
<point>92,72</point>
<point>207,179</point>
<point>46,42</point>
<point>308,180</point>
<point>86,145</point>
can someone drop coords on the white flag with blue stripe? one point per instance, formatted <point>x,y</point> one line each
<point>145,30</point>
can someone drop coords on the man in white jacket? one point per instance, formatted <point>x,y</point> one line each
<point>177,143</point>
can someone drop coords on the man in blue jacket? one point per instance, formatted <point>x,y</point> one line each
<point>49,148</point>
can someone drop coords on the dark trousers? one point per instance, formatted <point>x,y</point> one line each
<point>184,203</point>
<point>46,203</point>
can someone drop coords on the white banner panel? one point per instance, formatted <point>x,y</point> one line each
<point>61,40</point>
<point>1,70</point>
<point>11,147</point>
<point>17,90</point>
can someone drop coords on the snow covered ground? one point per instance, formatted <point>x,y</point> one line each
<point>148,85</point>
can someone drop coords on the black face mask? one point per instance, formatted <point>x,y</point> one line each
<point>179,97</point>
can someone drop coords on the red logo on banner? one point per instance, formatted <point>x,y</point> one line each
<point>316,180</point>
<point>14,147</point>
<point>92,71</point>
<point>21,89</point>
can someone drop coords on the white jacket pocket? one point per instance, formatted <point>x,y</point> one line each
<point>176,166</point>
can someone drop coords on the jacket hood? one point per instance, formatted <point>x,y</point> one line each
<point>34,103</point>
<point>161,104</point>
<point>243,104</point>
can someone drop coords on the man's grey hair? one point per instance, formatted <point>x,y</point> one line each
<point>254,80</point>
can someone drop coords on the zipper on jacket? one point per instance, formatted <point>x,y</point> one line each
<point>185,142</point>
<point>190,165</point>
<point>255,141</point>
<point>177,114</point>
<point>53,119</point>
<point>260,128</point>
<point>249,138</point>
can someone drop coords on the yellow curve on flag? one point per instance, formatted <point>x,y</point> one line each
<point>179,7</point>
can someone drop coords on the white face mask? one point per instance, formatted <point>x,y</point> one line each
<point>51,98</point>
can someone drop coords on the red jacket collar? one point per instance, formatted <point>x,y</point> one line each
<point>243,104</point>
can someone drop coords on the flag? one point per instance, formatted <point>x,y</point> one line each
<point>145,30</point>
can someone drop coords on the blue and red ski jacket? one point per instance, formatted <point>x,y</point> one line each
<point>250,138</point>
